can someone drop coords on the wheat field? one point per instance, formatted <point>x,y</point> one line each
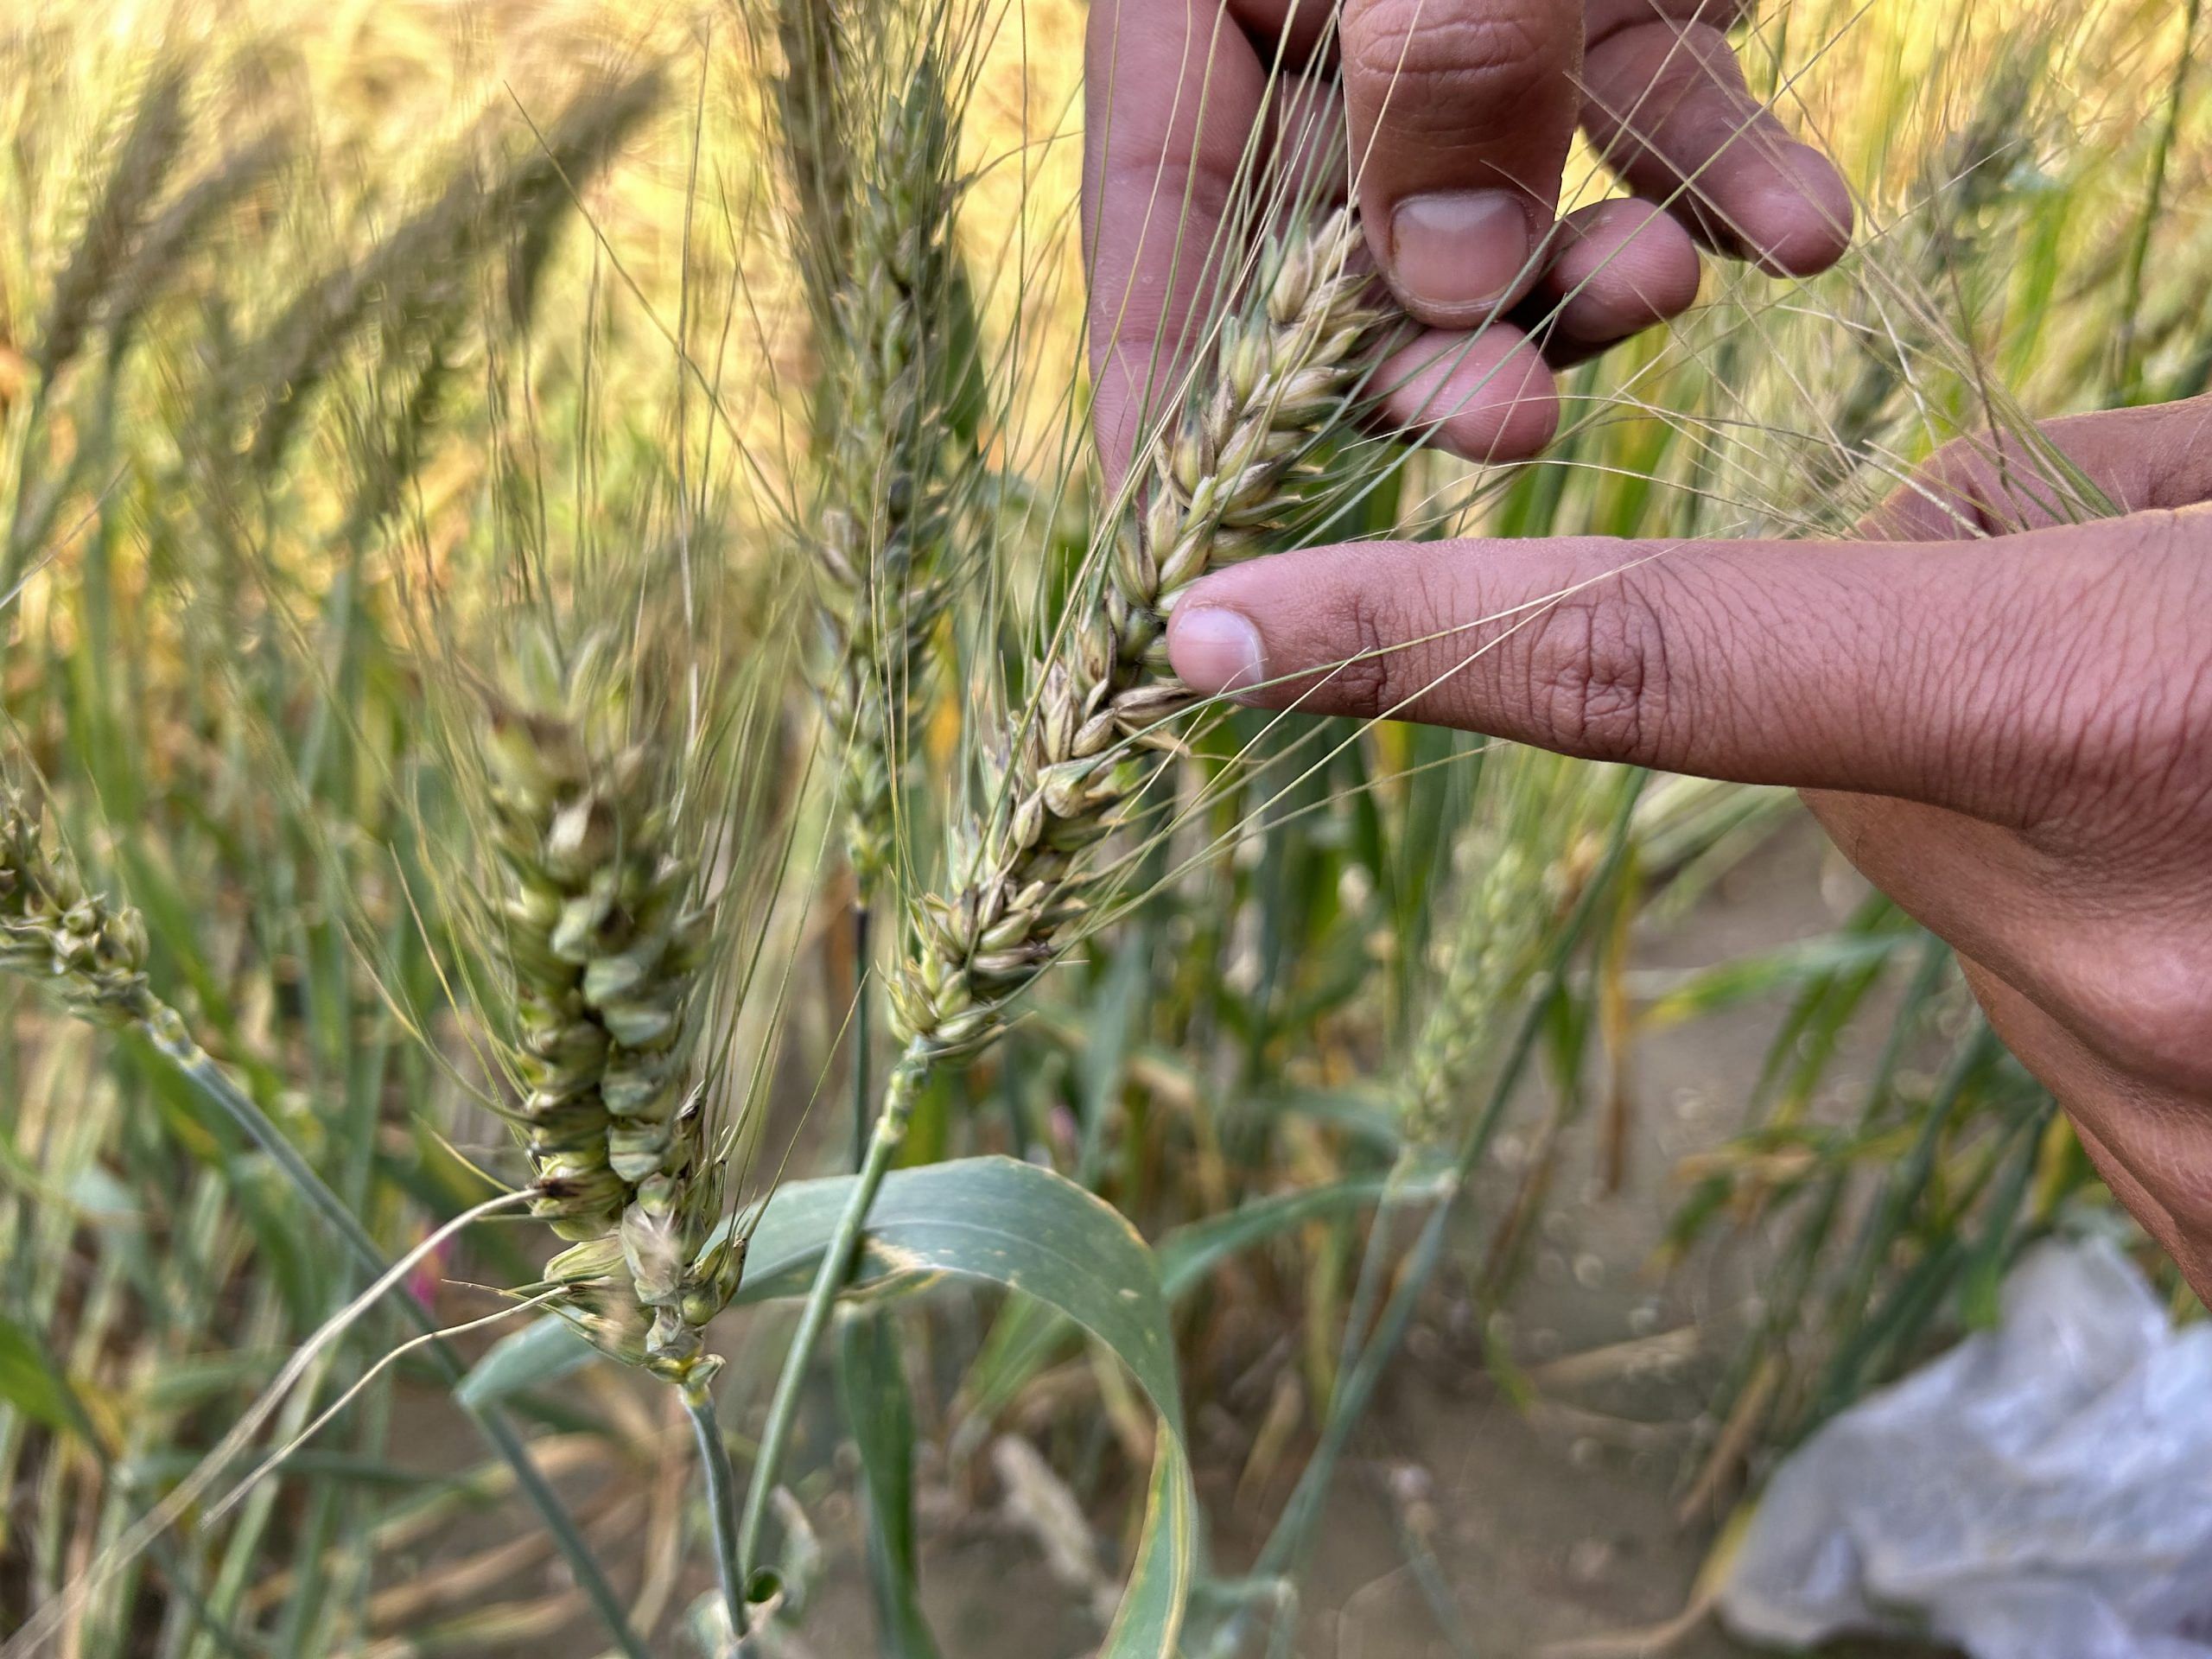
<point>641,1017</point>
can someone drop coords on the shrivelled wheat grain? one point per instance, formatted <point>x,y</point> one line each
<point>1281,375</point>
<point>603,937</point>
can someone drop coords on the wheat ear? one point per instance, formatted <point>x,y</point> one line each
<point>54,929</point>
<point>888,461</point>
<point>1282,375</point>
<point>144,159</point>
<point>604,935</point>
<point>92,952</point>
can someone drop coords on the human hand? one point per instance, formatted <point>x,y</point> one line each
<point>2004,721</point>
<point>1459,114</point>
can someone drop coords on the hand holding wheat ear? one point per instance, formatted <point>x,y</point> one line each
<point>1458,203</point>
<point>2007,719</point>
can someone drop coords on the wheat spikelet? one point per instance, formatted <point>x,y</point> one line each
<point>54,930</point>
<point>889,463</point>
<point>1281,374</point>
<point>604,937</point>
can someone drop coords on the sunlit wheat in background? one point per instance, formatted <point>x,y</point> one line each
<point>566,653</point>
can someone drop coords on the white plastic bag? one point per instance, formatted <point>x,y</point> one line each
<point>2043,1491</point>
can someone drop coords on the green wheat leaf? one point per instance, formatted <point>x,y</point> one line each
<point>999,1222</point>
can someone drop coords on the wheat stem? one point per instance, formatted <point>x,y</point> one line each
<point>900,1090</point>
<point>721,1497</point>
<point>863,1091</point>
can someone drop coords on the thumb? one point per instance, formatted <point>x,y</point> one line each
<point>1461,113</point>
<point>1955,673</point>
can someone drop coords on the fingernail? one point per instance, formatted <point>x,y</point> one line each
<point>1451,250</point>
<point>1215,651</point>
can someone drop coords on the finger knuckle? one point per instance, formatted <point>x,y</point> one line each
<point>1471,53</point>
<point>1597,671</point>
<point>1364,684</point>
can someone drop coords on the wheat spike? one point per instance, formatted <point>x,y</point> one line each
<point>1523,856</point>
<point>147,153</point>
<point>1281,375</point>
<point>889,463</point>
<point>604,937</point>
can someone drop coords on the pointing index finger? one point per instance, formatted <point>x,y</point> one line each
<point>1961,674</point>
